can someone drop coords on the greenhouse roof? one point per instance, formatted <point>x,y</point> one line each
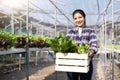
<point>53,13</point>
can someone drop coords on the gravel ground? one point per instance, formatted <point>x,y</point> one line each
<point>45,71</point>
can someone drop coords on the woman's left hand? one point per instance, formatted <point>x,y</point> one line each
<point>90,53</point>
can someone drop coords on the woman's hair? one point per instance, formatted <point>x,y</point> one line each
<point>81,12</point>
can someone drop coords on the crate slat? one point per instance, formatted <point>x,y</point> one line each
<point>72,55</point>
<point>72,62</point>
<point>72,69</point>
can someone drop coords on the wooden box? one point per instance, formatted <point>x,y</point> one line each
<point>72,62</point>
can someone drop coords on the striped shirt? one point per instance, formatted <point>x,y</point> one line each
<point>87,36</point>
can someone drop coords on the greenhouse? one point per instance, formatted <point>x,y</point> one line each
<point>34,43</point>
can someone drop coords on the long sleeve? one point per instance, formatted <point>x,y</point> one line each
<point>93,41</point>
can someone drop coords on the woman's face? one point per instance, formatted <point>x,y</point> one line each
<point>79,20</point>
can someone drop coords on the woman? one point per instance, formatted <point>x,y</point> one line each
<point>82,35</point>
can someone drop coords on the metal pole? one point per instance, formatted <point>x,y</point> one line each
<point>104,42</point>
<point>31,28</point>
<point>12,21</point>
<point>55,22</point>
<point>20,57</point>
<point>67,26</point>
<point>112,39</point>
<point>42,30</point>
<point>37,30</point>
<point>105,36</point>
<point>20,31</point>
<point>36,60</point>
<point>27,41</point>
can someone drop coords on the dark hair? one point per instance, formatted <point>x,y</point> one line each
<point>81,12</point>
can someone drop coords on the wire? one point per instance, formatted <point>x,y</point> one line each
<point>98,7</point>
<point>43,11</point>
<point>61,11</point>
<point>103,11</point>
<point>98,11</point>
<point>108,5</point>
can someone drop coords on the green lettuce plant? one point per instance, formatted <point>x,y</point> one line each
<point>64,44</point>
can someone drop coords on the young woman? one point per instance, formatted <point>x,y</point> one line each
<point>82,35</point>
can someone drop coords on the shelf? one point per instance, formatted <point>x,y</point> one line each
<point>20,50</point>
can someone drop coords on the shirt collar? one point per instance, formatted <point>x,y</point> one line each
<point>77,28</point>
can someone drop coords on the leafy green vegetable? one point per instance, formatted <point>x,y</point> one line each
<point>62,44</point>
<point>83,48</point>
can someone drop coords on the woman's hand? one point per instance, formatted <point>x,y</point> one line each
<point>90,53</point>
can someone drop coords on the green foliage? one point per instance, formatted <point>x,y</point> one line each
<point>62,44</point>
<point>8,40</point>
<point>83,48</point>
<point>117,47</point>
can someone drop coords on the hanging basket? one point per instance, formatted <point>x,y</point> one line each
<point>72,62</point>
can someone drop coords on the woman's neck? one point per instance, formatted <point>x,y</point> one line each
<point>81,26</point>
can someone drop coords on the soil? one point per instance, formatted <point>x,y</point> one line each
<point>44,70</point>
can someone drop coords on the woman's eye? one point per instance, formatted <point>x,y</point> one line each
<point>75,18</point>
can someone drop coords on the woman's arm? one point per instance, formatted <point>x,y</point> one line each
<point>93,41</point>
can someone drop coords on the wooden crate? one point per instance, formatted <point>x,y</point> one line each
<point>72,62</point>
